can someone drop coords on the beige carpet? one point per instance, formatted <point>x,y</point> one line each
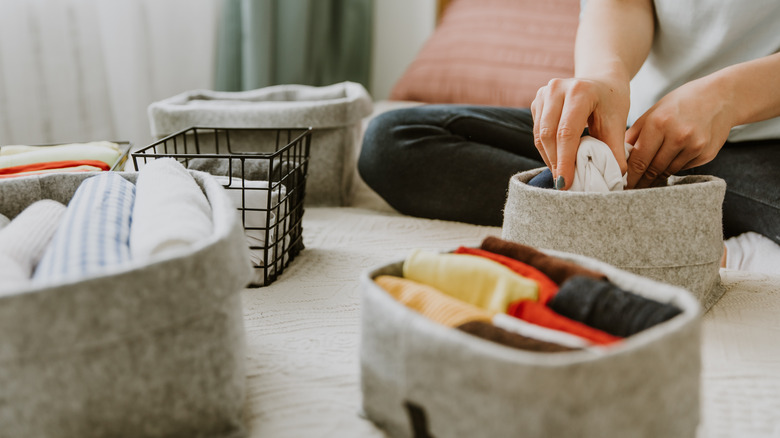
<point>303,332</point>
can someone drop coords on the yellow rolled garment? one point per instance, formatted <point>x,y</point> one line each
<point>431,303</point>
<point>473,279</point>
<point>19,155</point>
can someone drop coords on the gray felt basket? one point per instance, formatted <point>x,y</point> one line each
<point>420,378</point>
<point>154,348</point>
<point>334,111</point>
<point>673,234</point>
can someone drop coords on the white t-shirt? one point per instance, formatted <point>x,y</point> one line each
<point>694,38</point>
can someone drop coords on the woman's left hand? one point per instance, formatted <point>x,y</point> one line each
<point>685,129</point>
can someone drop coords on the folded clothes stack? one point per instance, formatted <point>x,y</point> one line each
<point>21,160</point>
<point>108,223</point>
<point>517,296</point>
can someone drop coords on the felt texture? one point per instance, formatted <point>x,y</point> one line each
<point>94,234</point>
<point>170,213</point>
<point>602,305</point>
<point>24,241</point>
<point>433,304</point>
<point>334,111</point>
<point>556,269</point>
<point>488,331</point>
<point>547,287</point>
<point>671,233</point>
<point>153,348</point>
<point>473,279</point>
<point>645,386</point>
<point>248,169</point>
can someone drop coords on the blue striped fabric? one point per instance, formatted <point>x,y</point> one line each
<point>95,232</point>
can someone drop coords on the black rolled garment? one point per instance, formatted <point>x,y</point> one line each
<point>602,305</point>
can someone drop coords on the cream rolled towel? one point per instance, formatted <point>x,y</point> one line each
<point>596,169</point>
<point>517,325</point>
<point>473,279</point>
<point>170,212</point>
<point>21,155</point>
<point>25,239</point>
<point>254,198</point>
<point>18,148</point>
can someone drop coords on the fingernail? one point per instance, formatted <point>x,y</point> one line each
<point>559,183</point>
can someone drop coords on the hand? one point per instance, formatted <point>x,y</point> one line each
<point>685,129</point>
<point>564,107</point>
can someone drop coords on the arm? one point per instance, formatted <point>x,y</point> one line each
<point>613,40</point>
<point>688,126</point>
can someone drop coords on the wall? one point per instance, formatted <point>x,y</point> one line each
<point>400,29</point>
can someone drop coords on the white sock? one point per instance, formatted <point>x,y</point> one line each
<point>753,252</point>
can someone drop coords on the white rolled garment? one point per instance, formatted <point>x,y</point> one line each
<point>596,169</point>
<point>4,221</point>
<point>25,239</point>
<point>517,325</point>
<point>170,212</point>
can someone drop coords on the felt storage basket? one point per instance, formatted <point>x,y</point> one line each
<point>420,378</point>
<point>267,188</point>
<point>154,348</point>
<point>334,112</point>
<point>673,233</point>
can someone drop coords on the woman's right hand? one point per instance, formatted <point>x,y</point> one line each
<point>564,107</point>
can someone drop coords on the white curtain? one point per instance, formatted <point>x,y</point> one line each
<point>81,70</point>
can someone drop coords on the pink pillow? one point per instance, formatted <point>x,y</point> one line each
<point>493,52</point>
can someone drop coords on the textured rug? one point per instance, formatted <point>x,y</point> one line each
<point>303,332</point>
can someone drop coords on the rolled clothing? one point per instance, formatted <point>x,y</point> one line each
<point>540,314</point>
<point>171,212</point>
<point>556,269</point>
<point>544,180</point>
<point>517,325</point>
<point>489,332</point>
<point>4,221</point>
<point>19,149</point>
<point>249,168</point>
<point>547,287</point>
<point>251,198</point>
<point>432,303</point>
<point>70,152</point>
<point>596,168</point>
<point>94,234</point>
<point>602,305</point>
<point>473,279</point>
<point>25,239</point>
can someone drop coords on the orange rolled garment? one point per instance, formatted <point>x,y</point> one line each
<point>432,303</point>
<point>50,166</point>
<point>539,314</point>
<point>547,287</point>
<point>556,269</point>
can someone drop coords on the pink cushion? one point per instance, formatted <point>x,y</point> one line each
<point>493,52</point>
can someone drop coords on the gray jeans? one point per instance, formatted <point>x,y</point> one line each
<point>453,162</point>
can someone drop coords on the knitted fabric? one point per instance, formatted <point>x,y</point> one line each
<point>432,303</point>
<point>602,305</point>
<point>542,315</point>
<point>547,287</point>
<point>475,280</point>
<point>556,269</point>
<point>498,335</point>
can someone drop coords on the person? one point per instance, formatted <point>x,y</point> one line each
<point>695,81</point>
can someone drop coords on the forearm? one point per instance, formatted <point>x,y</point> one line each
<point>613,39</point>
<point>750,89</point>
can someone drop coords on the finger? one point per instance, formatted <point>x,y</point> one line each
<point>680,161</point>
<point>574,119</point>
<point>645,149</point>
<point>632,133</point>
<point>536,110</point>
<point>549,118</point>
<point>614,137</point>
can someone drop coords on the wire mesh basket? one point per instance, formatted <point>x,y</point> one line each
<point>264,171</point>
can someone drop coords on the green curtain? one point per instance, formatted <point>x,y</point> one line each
<point>310,42</point>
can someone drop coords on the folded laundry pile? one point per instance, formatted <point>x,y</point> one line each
<point>108,222</point>
<point>514,295</point>
<point>21,160</point>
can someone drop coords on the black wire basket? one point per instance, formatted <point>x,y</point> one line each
<point>264,172</point>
